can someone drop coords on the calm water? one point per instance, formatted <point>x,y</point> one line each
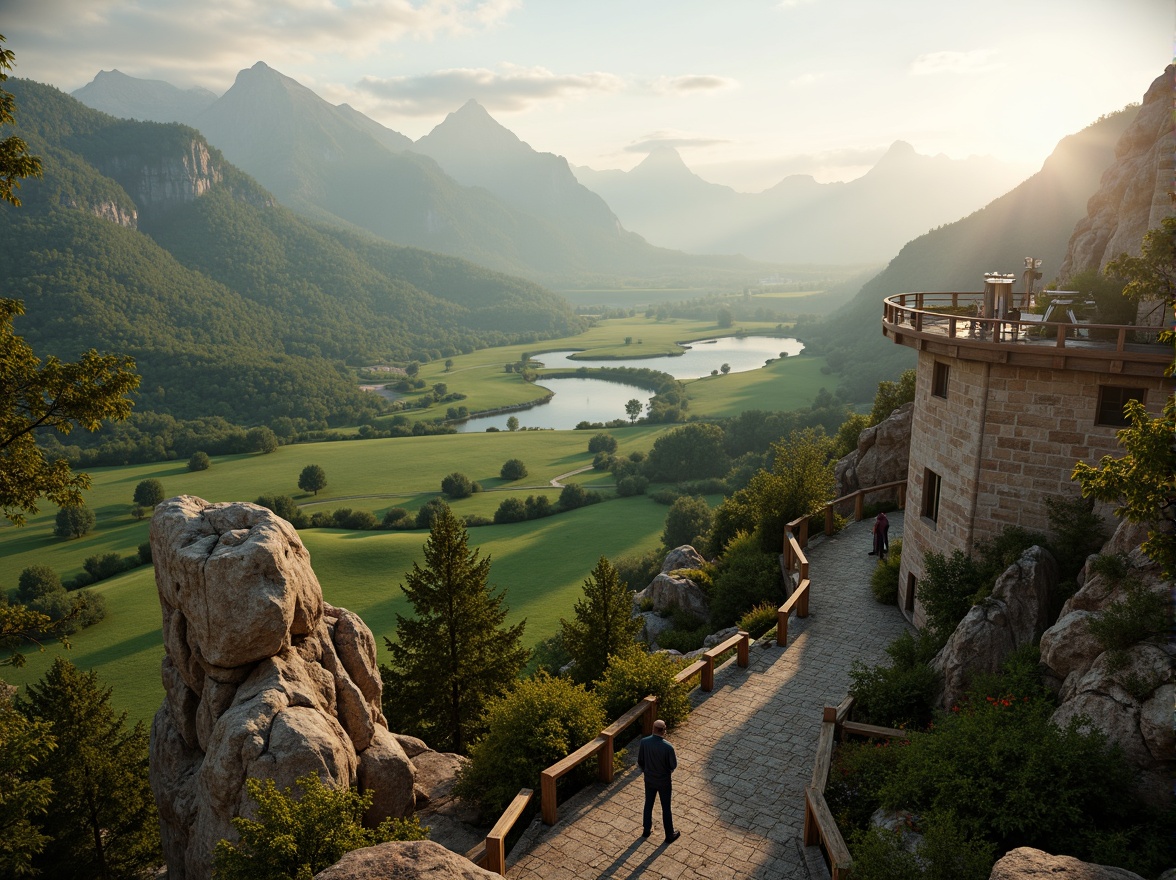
<point>594,400</point>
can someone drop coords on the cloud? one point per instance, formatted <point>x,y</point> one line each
<point>805,80</point>
<point>673,139</point>
<point>511,88</point>
<point>692,83</point>
<point>976,61</point>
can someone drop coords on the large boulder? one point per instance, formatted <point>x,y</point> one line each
<point>404,861</point>
<point>668,591</point>
<point>682,557</point>
<point>262,679</point>
<point>1026,863</point>
<point>1014,615</point>
<point>882,455</point>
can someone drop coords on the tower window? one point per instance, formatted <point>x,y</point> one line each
<point>939,380</point>
<point>1111,400</point>
<point>931,481</point>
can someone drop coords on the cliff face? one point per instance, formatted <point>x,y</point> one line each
<point>1135,192</point>
<point>161,181</point>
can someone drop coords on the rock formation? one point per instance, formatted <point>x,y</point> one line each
<point>1014,615</point>
<point>262,679</point>
<point>1133,195</point>
<point>882,455</point>
<point>1129,694</point>
<point>668,590</point>
<point>1026,863</point>
<point>404,861</point>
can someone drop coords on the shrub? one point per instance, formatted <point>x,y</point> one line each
<point>73,522</point>
<point>689,518</point>
<point>632,485</point>
<point>285,507</point>
<point>474,520</point>
<point>199,461</point>
<point>633,674</point>
<point>901,694</point>
<point>949,587</point>
<point>746,578</point>
<point>144,551</point>
<point>1110,565</point>
<point>856,776</point>
<point>1139,615</point>
<point>683,638</point>
<point>513,469</point>
<point>636,572</point>
<point>148,493</point>
<point>665,496</point>
<point>549,655</point>
<point>603,461</point>
<point>602,443</point>
<point>357,520</point>
<point>104,566</point>
<point>298,836</point>
<point>538,506</point>
<point>457,485</point>
<point>943,854</point>
<point>759,619</point>
<point>511,510</point>
<point>428,511</point>
<point>393,517</point>
<point>542,720</point>
<point>1076,534</point>
<point>87,608</point>
<point>574,495</point>
<point>884,577</point>
<point>37,581</point>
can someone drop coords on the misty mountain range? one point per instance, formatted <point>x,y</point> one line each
<point>473,189</point>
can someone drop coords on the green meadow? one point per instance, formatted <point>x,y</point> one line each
<point>784,384</point>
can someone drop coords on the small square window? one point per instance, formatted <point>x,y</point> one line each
<point>1111,400</point>
<point>931,481</point>
<point>939,380</point>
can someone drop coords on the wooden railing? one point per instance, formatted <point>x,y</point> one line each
<point>603,746</point>
<point>794,564</point>
<point>491,852</point>
<point>819,825</point>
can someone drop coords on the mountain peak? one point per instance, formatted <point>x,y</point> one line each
<point>470,123</point>
<point>663,158</point>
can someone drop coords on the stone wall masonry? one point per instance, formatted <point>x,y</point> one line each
<point>1005,439</point>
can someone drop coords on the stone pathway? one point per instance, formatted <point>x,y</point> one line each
<point>745,754</point>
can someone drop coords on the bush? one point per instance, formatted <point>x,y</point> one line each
<point>633,674</point>
<point>665,496</point>
<point>687,634</point>
<point>574,496</point>
<point>394,517</point>
<point>144,551</point>
<point>298,836</point>
<point>199,461</point>
<point>473,520</point>
<point>511,510</point>
<point>73,522</point>
<point>944,854</point>
<point>689,518</point>
<point>104,566</point>
<point>538,506</point>
<point>513,469</point>
<point>901,694</point>
<point>356,520</point>
<point>549,655</point>
<point>148,493</point>
<point>457,485</point>
<point>950,586</point>
<point>428,511</point>
<point>285,507</point>
<point>261,439</point>
<point>1077,532</point>
<point>632,485</point>
<point>603,461</point>
<point>636,572</point>
<point>37,581</point>
<point>746,577</point>
<point>87,608</point>
<point>1139,615</point>
<point>884,577</point>
<point>602,443</point>
<point>541,721</point>
<point>759,619</point>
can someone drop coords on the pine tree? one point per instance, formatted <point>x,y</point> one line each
<point>101,820</point>
<point>24,793</point>
<point>455,654</point>
<point>604,624</point>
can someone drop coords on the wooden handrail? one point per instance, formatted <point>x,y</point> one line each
<point>491,852</point>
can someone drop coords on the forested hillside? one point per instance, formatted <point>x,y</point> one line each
<point>1035,219</point>
<point>141,239</point>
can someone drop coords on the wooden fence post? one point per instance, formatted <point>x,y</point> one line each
<point>829,520</point>
<point>743,651</point>
<point>781,628</point>
<point>708,673</point>
<point>859,501</point>
<point>547,798</point>
<point>650,715</point>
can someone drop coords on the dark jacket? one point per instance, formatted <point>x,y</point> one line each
<point>657,758</point>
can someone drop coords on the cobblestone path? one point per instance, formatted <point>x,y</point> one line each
<point>745,754</point>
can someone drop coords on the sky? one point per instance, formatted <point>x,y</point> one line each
<point>748,92</point>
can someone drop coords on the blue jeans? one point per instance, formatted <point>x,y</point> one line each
<point>652,790</point>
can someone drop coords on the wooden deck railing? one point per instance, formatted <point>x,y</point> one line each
<point>794,564</point>
<point>491,852</point>
<point>819,826</point>
<point>603,746</point>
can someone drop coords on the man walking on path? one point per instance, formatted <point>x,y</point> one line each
<point>657,759</point>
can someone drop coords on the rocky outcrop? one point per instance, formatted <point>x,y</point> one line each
<point>882,455</point>
<point>682,557</point>
<point>1026,863</point>
<point>404,861</point>
<point>1128,694</point>
<point>1014,615</point>
<point>161,181</point>
<point>1133,195</point>
<point>668,590</point>
<point>262,679</point>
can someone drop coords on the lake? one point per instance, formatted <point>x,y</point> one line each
<point>594,400</point>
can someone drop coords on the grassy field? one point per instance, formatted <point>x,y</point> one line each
<point>541,566</point>
<point>785,384</point>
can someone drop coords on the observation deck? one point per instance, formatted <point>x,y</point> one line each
<point>952,325</point>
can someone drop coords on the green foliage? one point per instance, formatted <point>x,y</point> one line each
<point>511,510</point>
<point>689,452</point>
<point>846,439</point>
<point>603,443</point>
<point>513,469</point>
<point>199,461</point>
<point>949,587</point>
<point>1111,565</point>
<point>634,484</point>
<point>148,492</point>
<point>15,160</point>
<point>603,623</point>
<point>633,409</point>
<point>856,776</point>
<point>1107,292</point>
<point>100,567</point>
<point>746,577</point>
<point>636,572</point>
<point>1151,275</point>
<point>430,511</point>
<point>685,634</point>
<point>574,496</point>
<point>37,581</point>
<point>287,508</point>
<point>396,517</point>
<point>1141,614</point>
<point>1077,532</point>
<point>296,836</point>
<point>1143,482</point>
<point>549,655</point>
<point>25,792</point>
<point>312,479</point>
<point>944,854</point>
<point>689,518</point>
<point>457,485</point>
<point>633,674</point>
<point>455,655</point>
<point>74,521</point>
<point>86,609</point>
<point>759,619</point>
<point>892,395</point>
<point>101,819</point>
<point>901,693</point>
<point>884,577</point>
<point>541,721</point>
